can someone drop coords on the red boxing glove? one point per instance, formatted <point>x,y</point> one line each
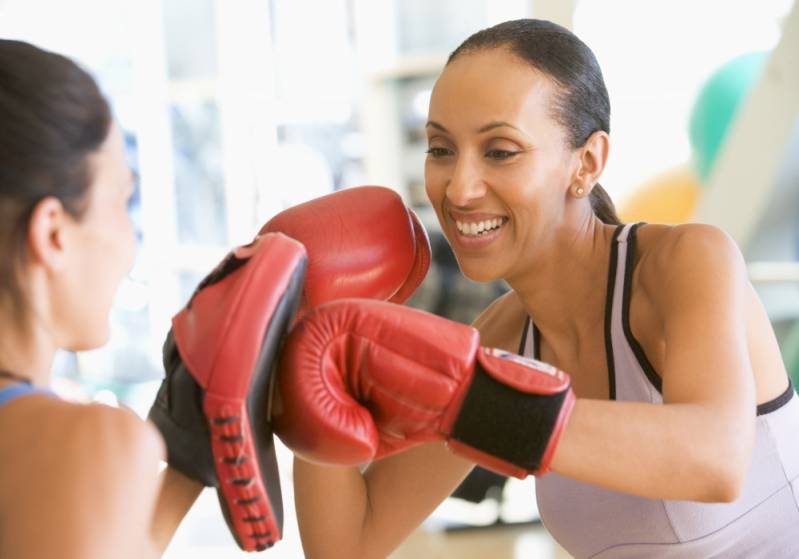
<point>360,380</point>
<point>361,242</point>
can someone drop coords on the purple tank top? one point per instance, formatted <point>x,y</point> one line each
<point>590,521</point>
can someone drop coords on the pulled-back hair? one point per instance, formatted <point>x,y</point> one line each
<point>52,117</point>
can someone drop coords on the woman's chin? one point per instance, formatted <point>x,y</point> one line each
<point>478,273</point>
<point>89,340</point>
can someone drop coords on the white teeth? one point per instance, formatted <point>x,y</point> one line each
<point>475,228</point>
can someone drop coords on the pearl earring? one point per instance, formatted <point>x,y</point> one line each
<point>580,191</point>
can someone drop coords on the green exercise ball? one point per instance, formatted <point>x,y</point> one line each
<point>790,353</point>
<point>716,104</point>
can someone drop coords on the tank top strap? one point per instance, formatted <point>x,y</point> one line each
<point>529,344</point>
<point>620,345</point>
<point>634,377</point>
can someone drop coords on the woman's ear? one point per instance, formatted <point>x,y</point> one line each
<point>592,159</point>
<point>48,233</point>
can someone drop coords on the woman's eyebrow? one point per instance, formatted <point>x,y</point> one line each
<point>434,124</point>
<point>484,128</point>
<point>496,124</point>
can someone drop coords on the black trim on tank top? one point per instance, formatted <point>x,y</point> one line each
<point>650,372</point>
<point>536,340</point>
<point>523,341</point>
<point>643,361</point>
<point>778,402</point>
<point>640,355</point>
<point>612,265</point>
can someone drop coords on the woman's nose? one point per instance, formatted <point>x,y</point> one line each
<point>465,185</point>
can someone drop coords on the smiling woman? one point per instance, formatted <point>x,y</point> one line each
<point>581,106</point>
<point>518,142</point>
<point>680,441</point>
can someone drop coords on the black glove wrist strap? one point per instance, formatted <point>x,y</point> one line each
<point>501,421</point>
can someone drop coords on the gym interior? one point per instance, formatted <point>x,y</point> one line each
<point>233,110</point>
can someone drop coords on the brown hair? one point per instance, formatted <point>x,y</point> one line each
<point>52,117</point>
<point>582,106</point>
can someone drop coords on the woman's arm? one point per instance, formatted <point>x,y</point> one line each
<point>175,498</point>
<point>698,444</point>
<point>344,513</point>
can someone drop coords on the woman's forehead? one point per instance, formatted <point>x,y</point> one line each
<point>491,85</point>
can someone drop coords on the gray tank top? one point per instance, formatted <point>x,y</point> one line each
<point>589,521</point>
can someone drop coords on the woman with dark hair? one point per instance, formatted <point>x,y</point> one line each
<point>78,480</point>
<point>681,441</point>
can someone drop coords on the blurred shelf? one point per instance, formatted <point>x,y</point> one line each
<point>774,272</point>
<point>412,66</point>
<point>191,90</point>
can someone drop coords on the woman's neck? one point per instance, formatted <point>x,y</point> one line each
<point>566,292</point>
<point>26,352</point>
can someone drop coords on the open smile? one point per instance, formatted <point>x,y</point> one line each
<point>476,231</point>
<point>483,227</point>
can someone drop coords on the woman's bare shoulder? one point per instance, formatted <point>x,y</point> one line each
<point>673,259</point>
<point>82,440</point>
<point>501,323</point>
<point>88,472</point>
<point>668,249</point>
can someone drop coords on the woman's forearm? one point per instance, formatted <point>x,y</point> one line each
<point>345,513</point>
<point>175,499</point>
<point>670,451</point>
<point>331,504</point>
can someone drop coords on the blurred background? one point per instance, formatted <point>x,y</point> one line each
<point>236,109</point>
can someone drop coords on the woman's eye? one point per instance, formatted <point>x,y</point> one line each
<point>500,154</point>
<point>438,152</point>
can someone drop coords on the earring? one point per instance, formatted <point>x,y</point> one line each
<point>580,191</point>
